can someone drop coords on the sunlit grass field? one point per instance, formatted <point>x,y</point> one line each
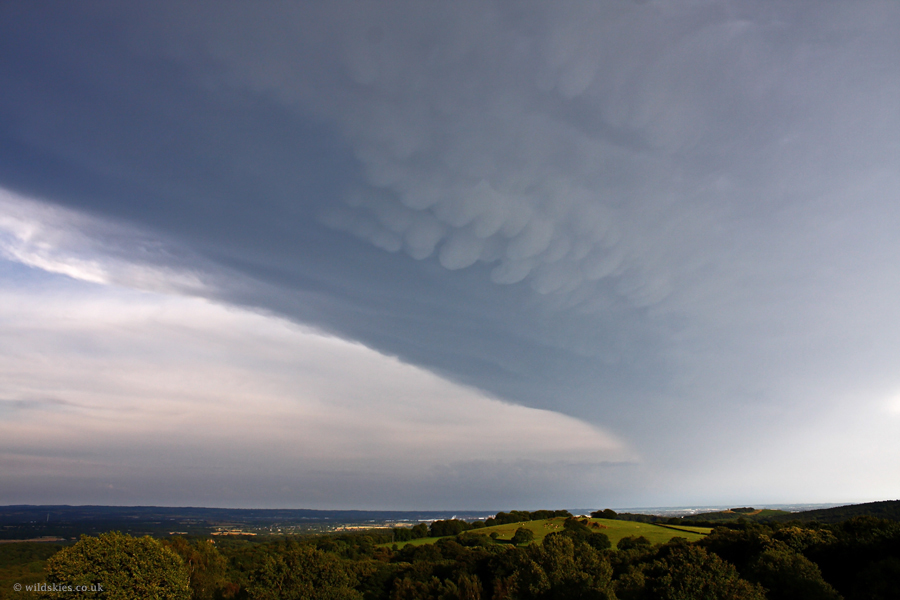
<point>614,530</point>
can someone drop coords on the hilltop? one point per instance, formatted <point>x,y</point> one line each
<point>888,509</point>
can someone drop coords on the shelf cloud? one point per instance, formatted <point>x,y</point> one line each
<point>672,223</point>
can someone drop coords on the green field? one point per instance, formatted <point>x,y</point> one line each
<point>615,530</point>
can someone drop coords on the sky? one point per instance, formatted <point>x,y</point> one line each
<point>408,255</point>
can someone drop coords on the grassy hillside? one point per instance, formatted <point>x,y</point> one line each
<point>614,530</point>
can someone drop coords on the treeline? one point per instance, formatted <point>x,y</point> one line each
<point>440,528</point>
<point>518,516</point>
<point>608,513</point>
<point>857,559</point>
<point>449,527</point>
<point>889,509</point>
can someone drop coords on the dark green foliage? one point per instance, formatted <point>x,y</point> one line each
<point>515,516</point>
<point>560,569</point>
<point>889,509</point>
<point>473,539</point>
<point>775,560</point>
<point>639,518</point>
<point>23,563</point>
<point>26,552</point>
<point>576,525</point>
<point>401,534</point>
<point>123,566</point>
<point>466,587</point>
<point>729,517</point>
<point>375,577</point>
<point>208,569</point>
<point>448,527</point>
<point>788,575</point>
<point>880,510</point>
<point>598,541</point>
<point>857,559</point>
<point>627,543</point>
<point>423,553</point>
<point>800,539</point>
<point>522,536</point>
<point>686,572</point>
<point>538,515</point>
<point>880,580</point>
<point>606,513</point>
<point>520,516</point>
<point>860,560</point>
<point>301,573</point>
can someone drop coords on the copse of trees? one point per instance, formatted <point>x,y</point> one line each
<point>405,534</point>
<point>522,536</point>
<point>448,527</point>
<point>520,516</point>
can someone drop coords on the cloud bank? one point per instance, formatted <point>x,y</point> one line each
<point>661,218</point>
<point>123,396</point>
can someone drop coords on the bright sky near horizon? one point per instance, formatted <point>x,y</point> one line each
<point>492,255</point>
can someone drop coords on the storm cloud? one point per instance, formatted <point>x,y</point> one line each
<point>675,222</point>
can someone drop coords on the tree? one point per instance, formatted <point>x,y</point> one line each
<point>788,575</point>
<point>301,573</point>
<point>560,569</point>
<point>598,541</point>
<point>206,566</point>
<point>448,527</point>
<point>522,536</point>
<point>629,542</point>
<point>116,566</point>
<point>685,572</point>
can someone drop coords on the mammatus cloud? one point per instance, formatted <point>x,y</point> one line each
<point>675,220</point>
<point>589,150</point>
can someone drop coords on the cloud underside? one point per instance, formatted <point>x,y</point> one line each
<point>674,221</point>
<point>108,387</point>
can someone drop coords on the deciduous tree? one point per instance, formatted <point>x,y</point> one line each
<point>116,566</point>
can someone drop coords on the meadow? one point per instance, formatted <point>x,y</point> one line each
<point>614,530</point>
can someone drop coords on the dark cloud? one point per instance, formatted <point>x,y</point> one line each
<point>235,176</point>
<point>635,213</point>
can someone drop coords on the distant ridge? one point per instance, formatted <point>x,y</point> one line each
<point>886,509</point>
<point>29,512</point>
<point>21,522</point>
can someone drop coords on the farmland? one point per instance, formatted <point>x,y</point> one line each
<point>614,530</point>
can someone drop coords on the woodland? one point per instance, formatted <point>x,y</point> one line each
<point>499,558</point>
